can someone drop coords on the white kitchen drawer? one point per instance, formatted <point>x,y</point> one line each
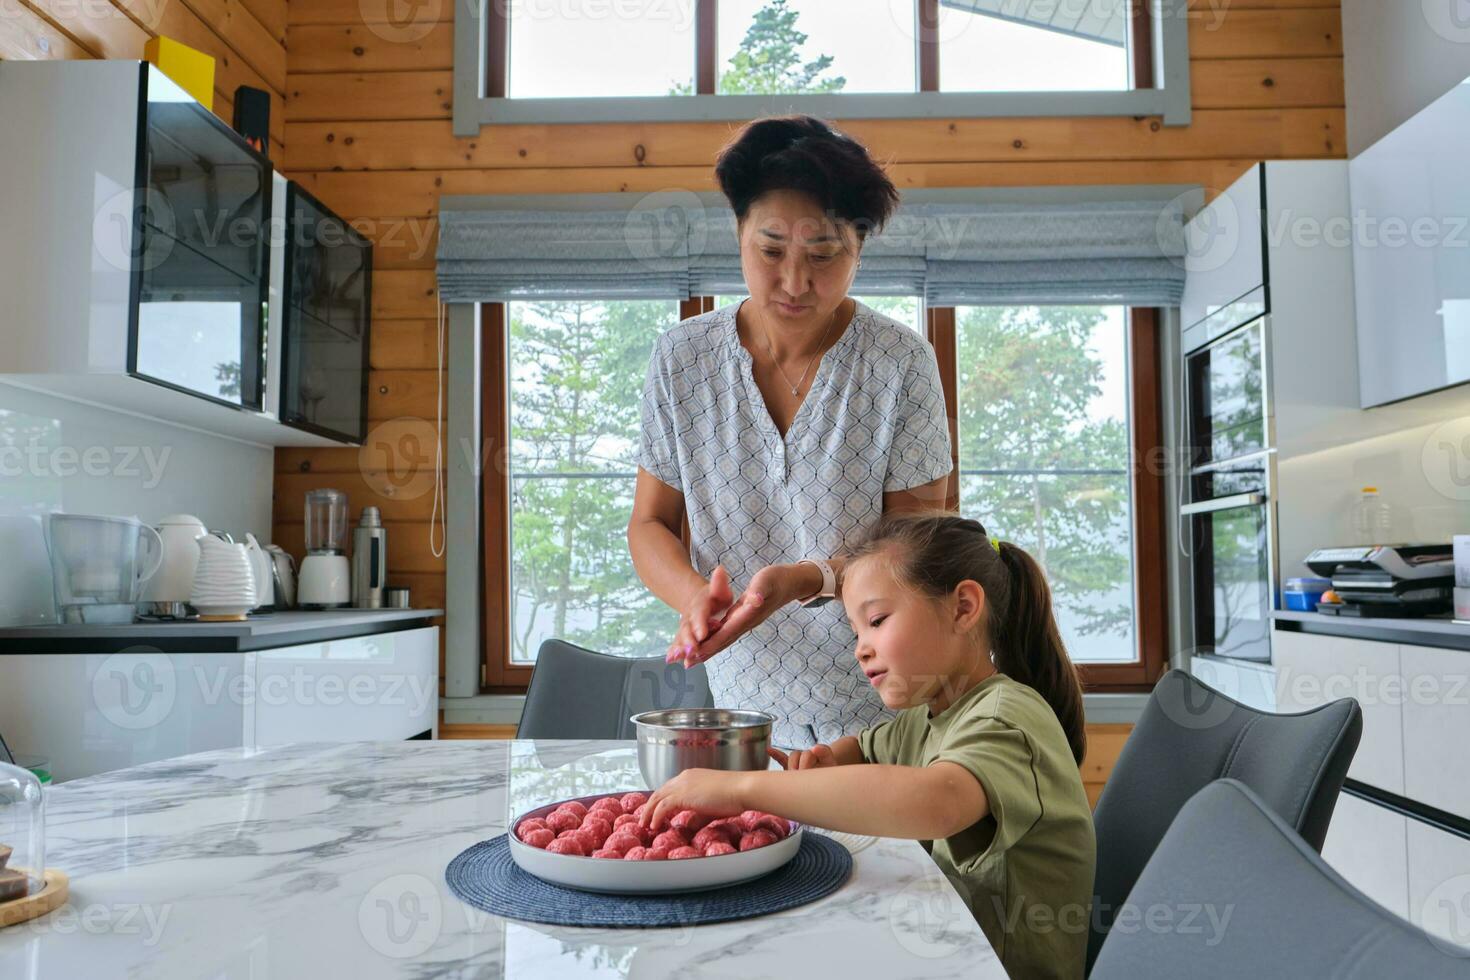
<point>1439,883</point>
<point>1367,845</point>
<point>1313,670</point>
<point>1437,727</point>
<point>1251,684</point>
<point>368,688</point>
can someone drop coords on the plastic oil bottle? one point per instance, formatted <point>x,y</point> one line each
<point>1372,518</point>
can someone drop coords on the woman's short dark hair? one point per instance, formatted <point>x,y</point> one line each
<point>805,154</point>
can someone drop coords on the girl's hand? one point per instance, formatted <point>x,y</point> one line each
<point>816,757</point>
<point>770,588</point>
<point>714,793</point>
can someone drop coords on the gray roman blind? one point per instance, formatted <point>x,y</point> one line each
<point>487,256</point>
<point>952,254</point>
<point>991,254</point>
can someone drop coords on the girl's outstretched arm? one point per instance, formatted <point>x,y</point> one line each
<point>917,803</point>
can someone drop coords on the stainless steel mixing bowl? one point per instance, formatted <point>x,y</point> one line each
<point>676,739</point>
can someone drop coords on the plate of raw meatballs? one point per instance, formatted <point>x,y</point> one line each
<point>595,843</point>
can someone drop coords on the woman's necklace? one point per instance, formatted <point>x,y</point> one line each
<point>796,388</point>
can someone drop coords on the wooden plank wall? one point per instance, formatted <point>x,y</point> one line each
<point>367,130</point>
<point>246,38</point>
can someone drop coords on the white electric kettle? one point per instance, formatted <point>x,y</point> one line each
<point>167,592</point>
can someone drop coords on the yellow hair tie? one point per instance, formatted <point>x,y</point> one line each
<point>995,543</point>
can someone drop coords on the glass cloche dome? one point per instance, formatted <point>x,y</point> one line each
<point>22,834</point>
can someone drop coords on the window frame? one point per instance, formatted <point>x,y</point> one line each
<point>1150,559</point>
<point>1159,69</point>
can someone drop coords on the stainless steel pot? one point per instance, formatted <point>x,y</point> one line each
<point>676,739</point>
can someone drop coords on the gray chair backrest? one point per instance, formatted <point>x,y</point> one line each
<point>1191,735</point>
<point>580,693</point>
<point>1260,903</point>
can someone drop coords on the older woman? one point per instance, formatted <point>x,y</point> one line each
<point>783,426</point>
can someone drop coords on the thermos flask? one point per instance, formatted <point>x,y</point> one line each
<point>369,560</point>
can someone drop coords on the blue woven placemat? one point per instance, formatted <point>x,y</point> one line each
<point>486,877</point>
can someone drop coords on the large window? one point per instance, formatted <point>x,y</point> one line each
<point>628,48</point>
<point>1035,45</point>
<point>575,382</point>
<point>1044,454</point>
<point>548,61</point>
<point>1054,409</point>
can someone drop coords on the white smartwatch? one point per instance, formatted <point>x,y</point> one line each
<point>829,583</point>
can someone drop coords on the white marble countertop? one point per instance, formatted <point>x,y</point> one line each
<point>327,861</point>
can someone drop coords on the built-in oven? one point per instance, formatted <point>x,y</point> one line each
<point>1228,509</point>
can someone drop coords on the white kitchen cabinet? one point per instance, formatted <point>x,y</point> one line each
<point>1439,883</point>
<point>1313,670</point>
<point>384,686</point>
<point>1411,251</point>
<point>1367,844</point>
<point>1436,723</point>
<point>1251,684</point>
<point>1225,262</point>
<point>141,235</point>
<point>96,712</point>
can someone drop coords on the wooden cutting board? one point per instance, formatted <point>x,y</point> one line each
<point>32,906</point>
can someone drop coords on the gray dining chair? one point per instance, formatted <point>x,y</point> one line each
<point>1234,891</point>
<point>580,693</point>
<point>1190,735</point>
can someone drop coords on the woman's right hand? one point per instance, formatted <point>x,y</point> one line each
<point>702,615</point>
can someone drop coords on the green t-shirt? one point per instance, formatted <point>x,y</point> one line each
<point>1026,869</point>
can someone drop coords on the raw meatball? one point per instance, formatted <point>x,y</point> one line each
<point>642,809</point>
<point>688,822</point>
<point>566,845</point>
<point>718,847</point>
<point>598,826</point>
<point>655,854</point>
<point>624,820</point>
<point>644,834</point>
<point>621,842</point>
<point>607,855</point>
<point>748,819</point>
<point>679,853</point>
<point>774,824</point>
<point>636,854</point>
<point>757,838</point>
<point>538,837</point>
<point>526,826</point>
<point>632,801</point>
<point>573,806</point>
<point>712,835</point>
<point>670,840</point>
<point>563,820</point>
<point>609,805</point>
<point>587,838</point>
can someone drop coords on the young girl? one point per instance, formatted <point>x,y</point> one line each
<point>982,767</point>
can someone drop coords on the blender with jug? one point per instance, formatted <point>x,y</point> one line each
<point>324,580</point>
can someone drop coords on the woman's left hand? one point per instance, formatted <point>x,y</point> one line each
<point>713,792</point>
<point>769,589</point>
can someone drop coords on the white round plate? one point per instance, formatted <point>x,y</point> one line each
<point>591,874</point>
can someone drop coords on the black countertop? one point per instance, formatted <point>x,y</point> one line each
<point>260,632</point>
<point>1429,632</point>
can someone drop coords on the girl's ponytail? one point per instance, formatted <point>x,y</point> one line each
<point>935,552</point>
<point>1028,646</point>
